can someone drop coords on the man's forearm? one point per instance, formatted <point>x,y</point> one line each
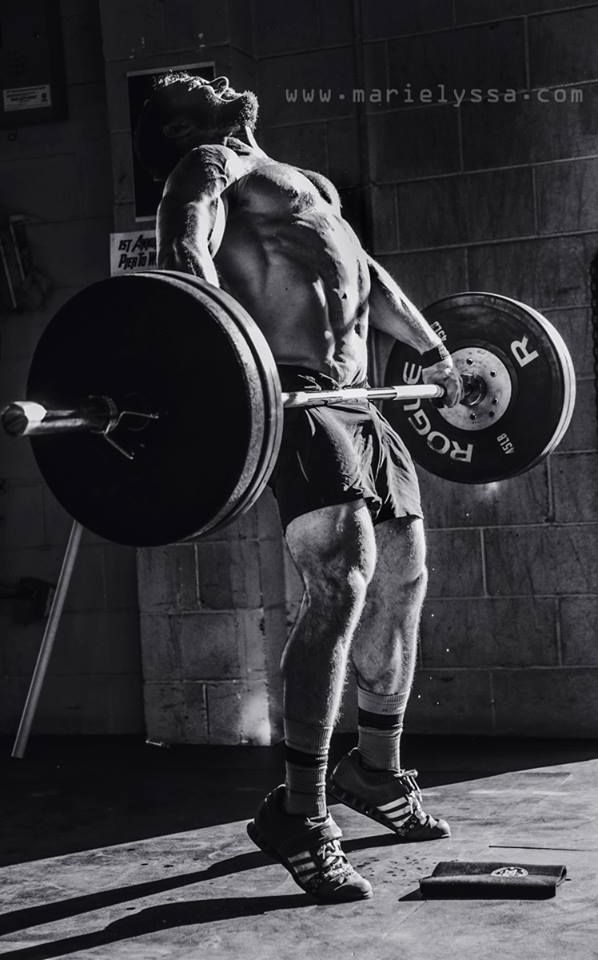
<point>393,313</point>
<point>187,257</point>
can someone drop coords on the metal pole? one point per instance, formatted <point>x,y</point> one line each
<point>45,650</point>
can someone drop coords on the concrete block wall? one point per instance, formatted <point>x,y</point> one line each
<point>58,177</point>
<point>497,196</point>
<point>213,613</point>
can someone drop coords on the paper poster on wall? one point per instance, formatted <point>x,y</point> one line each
<point>140,85</point>
<point>132,251</point>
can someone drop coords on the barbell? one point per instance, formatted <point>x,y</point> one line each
<point>155,409</point>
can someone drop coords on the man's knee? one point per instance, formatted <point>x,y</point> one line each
<point>335,552</point>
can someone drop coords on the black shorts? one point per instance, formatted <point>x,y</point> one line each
<point>339,454</point>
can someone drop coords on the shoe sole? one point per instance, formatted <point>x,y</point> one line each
<point>374,814</point>
<point>257,838</point>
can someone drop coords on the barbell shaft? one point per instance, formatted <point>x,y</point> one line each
<point>24,418</point>
<point>322,398</point>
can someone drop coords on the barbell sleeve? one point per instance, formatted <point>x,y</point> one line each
<point>25,418</point>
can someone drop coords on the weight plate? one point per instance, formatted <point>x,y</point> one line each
<point>532,393</point>
<point>160,343</point>
<point>273,410</point>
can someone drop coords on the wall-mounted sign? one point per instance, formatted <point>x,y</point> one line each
<point>140,84</point>
<point>32,80</point>
<point>132,251</point>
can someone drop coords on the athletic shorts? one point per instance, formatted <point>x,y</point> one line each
<point>340,454</point>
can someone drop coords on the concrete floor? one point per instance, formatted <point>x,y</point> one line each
<point>114,849</point>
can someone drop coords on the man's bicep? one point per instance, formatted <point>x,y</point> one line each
<point>192,213</point>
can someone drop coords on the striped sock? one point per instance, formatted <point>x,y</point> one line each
<point>306,759</point>
<point>380,724</point>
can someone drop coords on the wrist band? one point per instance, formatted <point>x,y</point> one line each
<point>435,355</point>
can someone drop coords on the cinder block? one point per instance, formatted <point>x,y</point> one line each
<point>82,38</point>
<point>562,47</point>
<point>228,575</point>
<point>551,273</point>
<point>336,21</point>
<point>167,579</point>
<point>203,646</point>
<point>582,432</point>
<point>375,95</point>
<point>575,327</point>
<point>579,616</point>
<point>87,123</point>
<point>472,10</point>
<point>57,522</point>
<point>195,25</point>
<point>384,218</point>
<point>455,563</point>
<point>523,561</point>
<point>21,516</point>
<point>284,29</point>
<point>120,576</point>
<point>87,590</point>
<point>176,712</point>
<point>485,206</point>
<point>385,18</point>
<point>103,642</point>
<point>16,459</point>
<point>547,703</point>
<point>575,484</point>
<point>122,167</point>
<point>426,277</point>
<point>489,632</point>
<point>271,571</point>
<point>24,187</point>
<point>239,713</point>
<point>566,193</point>
<point>73,251</point>
<point>450,702</point>
<point>343,152</point>
<point>499,134</point>
<point>404,144</point>
<point>305,87</point>
<point>482,57</point>
<point>240,17</point>
<point>302,146</point>
<point>522,499</point>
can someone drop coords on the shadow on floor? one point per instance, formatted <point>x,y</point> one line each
<point>80,793</point>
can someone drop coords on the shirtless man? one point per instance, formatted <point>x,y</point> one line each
<point>274,237</point>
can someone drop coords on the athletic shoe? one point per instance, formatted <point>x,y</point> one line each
<point>391,798</point>
<point>309,847</point>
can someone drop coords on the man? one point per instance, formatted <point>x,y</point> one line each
<point>274,237</point>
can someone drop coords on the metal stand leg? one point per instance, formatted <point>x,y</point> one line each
<point>45,650</point>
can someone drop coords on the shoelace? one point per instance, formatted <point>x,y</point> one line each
<point>414,796</point>
<point>331,859</point>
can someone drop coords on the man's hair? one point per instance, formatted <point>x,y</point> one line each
<point>157,153</point>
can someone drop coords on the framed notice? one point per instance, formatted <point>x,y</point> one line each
<point>32,80</point>
<point>140,85</point>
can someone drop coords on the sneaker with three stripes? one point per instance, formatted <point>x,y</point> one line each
<point>309,847</point>
<point>390,797</point>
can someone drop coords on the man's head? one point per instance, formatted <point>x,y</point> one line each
<point>185,112</point>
